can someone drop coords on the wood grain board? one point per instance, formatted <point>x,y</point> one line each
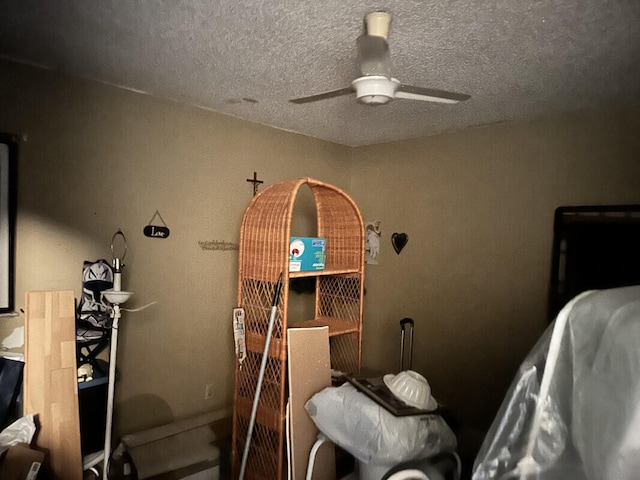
<point>50,379</point>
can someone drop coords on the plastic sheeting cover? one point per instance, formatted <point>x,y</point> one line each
<point>588,424</point>
<point>356,423</point>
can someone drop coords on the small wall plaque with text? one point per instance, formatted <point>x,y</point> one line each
<point>156,231</point>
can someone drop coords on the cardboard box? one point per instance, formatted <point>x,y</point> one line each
<point>306,254</point>
<point>21,463</point>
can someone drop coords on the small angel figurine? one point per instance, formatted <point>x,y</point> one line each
<point>372,248</point>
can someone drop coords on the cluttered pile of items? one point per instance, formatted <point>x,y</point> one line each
<point>396,426</point>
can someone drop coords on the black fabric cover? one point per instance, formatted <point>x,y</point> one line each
<point>10,391</point>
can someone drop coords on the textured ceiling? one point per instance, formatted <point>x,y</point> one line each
<point>247,58</point>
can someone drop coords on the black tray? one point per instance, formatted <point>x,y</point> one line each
<point>376,390</point>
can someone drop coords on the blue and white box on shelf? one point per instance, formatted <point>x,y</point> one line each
<point>306,254</point>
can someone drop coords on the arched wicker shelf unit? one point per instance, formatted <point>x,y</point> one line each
<point>264,255</point>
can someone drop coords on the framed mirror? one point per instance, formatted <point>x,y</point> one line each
<point>8,184</point>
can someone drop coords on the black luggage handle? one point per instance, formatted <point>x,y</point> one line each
<point>404,321</point>
<point>403,324</point>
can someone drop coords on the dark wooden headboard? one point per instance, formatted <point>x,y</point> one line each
<point>594,247</point>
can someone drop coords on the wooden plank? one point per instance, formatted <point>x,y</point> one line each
<point>50,379</point>
<point>309,372</point>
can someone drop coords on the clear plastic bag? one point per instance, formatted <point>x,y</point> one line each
<point>573,410</point>
<point>20,431</point>
<point>356,423</point>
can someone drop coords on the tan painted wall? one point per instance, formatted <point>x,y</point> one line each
<point>97,158</point>
<point>478,207</point>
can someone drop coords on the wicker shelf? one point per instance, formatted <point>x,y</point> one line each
<point>263,256</point>
<point>325,272</point>
<point>337,326</point>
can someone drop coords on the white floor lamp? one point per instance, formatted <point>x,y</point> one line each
<point>115,297</point>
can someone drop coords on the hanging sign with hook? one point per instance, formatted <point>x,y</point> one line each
<point>156,231</point>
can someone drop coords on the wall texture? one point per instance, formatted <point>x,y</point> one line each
<point>478,206</point>
<point>95,159</point>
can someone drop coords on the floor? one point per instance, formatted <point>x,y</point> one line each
<point>344,465</point>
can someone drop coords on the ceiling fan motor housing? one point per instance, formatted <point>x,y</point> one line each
<point>375,89</point>
<point>378,24</point>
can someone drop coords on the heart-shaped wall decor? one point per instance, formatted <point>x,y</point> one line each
<point>399,240</point>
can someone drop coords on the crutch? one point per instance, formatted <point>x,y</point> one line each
<point>403,325</point>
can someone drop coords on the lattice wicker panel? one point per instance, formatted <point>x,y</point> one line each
<point>339,297</point>
<point>257,297</point>
<point>345,353</point>
<point>247,381</point>
<point>263,460</point>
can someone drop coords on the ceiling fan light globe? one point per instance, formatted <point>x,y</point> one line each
<point>374,99</point>
<point>375,89</point>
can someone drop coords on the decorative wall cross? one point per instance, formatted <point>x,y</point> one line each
<point>255,182</point>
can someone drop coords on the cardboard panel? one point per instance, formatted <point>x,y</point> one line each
<point>50,379</point>
<point>309,372</point>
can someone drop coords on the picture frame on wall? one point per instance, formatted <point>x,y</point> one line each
<point>8,184</point>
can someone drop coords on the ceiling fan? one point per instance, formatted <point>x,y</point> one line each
<point>376,86</point>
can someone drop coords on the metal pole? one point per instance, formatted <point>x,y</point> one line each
<point>112,380</point>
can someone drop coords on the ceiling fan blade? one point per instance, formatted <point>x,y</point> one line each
<point>430,94</point>
<point>373,53</point>
<point>322,96</point>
